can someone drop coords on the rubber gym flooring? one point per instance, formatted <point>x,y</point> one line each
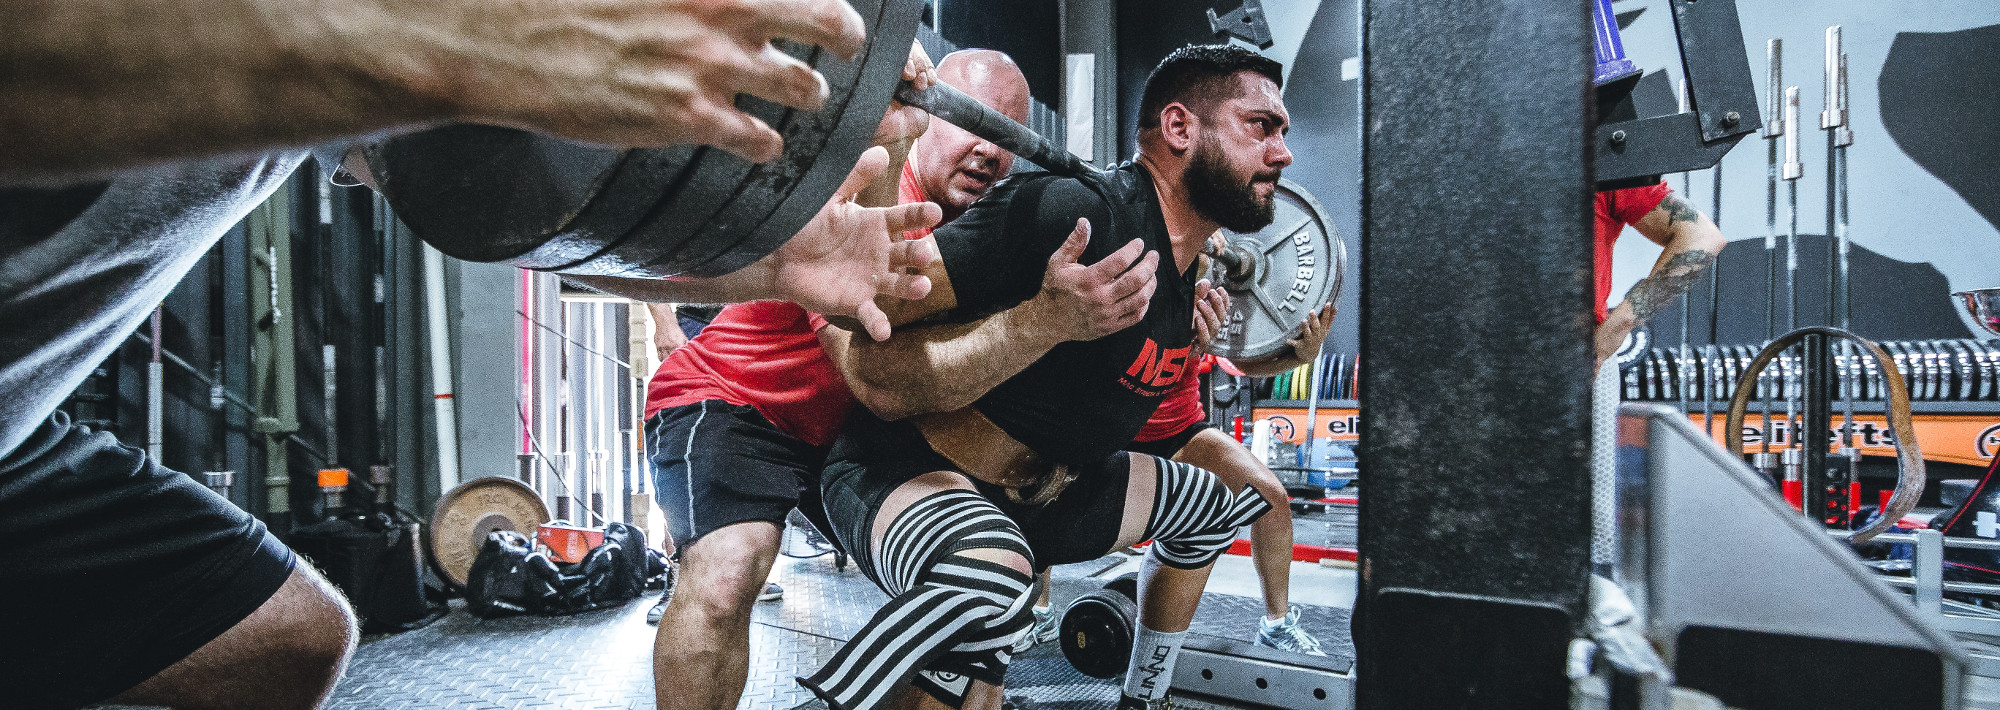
<point>602,659</point>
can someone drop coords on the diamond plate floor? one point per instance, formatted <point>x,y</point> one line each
<point>601,660</point>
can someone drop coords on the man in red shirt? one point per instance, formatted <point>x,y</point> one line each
<point>738,419</point>
<point>1689,241</point>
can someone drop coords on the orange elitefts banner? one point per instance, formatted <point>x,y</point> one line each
<point>1970,439</point>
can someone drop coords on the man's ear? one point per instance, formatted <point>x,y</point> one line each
<point>1177,127</point>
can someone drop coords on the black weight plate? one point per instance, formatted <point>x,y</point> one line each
<point>484,193</point>
<point>1096,632</point>
<point>1947,369</point>
<point>1975,369</point>
<point>641,181</point>
<point>1989,371</point>
<point>1956,361</point>
<point>1935,379</point>
<point>1923,363</point>
<point>1922,378</point>
<point>1992,370</point>
<point>1126,584</point>
<point>852,130</point>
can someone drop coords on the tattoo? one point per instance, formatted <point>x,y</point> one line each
<point>1671,280</point>
<point>1678,211</point>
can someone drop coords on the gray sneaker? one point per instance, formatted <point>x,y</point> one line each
<point>1287,635</point>
<point>1047,626</point>
<point>772,592</point>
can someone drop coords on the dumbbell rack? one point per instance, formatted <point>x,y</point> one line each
<point>1958,370</point>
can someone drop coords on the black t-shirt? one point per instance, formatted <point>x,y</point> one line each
<point>1083,400</point>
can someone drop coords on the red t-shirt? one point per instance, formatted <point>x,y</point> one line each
<point>1180,407</point>
<point>908,192</point>
<point>1615,209</point>
<point>766,355</point>
<point>763,354</point>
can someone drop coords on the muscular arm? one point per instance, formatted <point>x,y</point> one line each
<point>940,367</point>
<point>93,86</point>
<point>946,366</point>
<point>1690,243</point>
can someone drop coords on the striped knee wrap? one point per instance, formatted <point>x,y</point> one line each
<point>1195,517</point>
<point>951,614</point>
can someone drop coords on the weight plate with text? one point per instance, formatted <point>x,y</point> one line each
<point>473,510</point>
<point>1294,266</point>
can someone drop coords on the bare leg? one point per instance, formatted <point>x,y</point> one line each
<point>1271,535</point>
<point>701,654</point>
<point>286,654</point>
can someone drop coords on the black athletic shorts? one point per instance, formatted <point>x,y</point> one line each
<point>114,567</point>
<point>874,457</point>
<point>1166,448</point>
<point>716,464</point>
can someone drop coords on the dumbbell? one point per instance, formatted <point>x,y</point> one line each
<point>1097,628</point>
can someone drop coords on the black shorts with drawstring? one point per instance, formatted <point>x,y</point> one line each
<point>873,458</point>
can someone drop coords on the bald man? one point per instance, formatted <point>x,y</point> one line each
<point>954,168</point>
<point>738,419</point>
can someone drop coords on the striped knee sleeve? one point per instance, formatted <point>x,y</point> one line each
<point>1195,517</point>
<point>947,610</point>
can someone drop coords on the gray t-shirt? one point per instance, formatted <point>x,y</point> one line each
<point>68,298</point>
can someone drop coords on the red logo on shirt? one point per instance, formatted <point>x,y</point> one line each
<point>1158,367</point>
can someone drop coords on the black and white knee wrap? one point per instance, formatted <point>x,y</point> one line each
<point>1195,517</point>
<point>950,614</point>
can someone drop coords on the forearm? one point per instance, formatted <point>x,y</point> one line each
<point>92,86</point>
<point>1684,262</point>
<point>943,367</point>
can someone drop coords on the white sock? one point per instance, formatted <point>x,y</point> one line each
<point>1150,672</point>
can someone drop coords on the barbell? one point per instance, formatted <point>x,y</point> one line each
<point>492,194</point>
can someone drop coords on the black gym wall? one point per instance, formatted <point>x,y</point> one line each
<point>1029,31</point>
<point>341,259</point>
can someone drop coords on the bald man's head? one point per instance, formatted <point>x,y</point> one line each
<point>955,168</point>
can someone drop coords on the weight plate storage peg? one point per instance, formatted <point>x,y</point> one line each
<point>1277,276</point>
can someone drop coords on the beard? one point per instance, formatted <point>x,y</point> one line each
<point>1223,198</point>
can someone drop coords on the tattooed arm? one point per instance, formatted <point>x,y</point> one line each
<point>1691,242</point>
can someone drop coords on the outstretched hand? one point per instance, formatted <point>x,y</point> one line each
<point>848,254</point>
<point>1090,302</point>
<point>619,72</point>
